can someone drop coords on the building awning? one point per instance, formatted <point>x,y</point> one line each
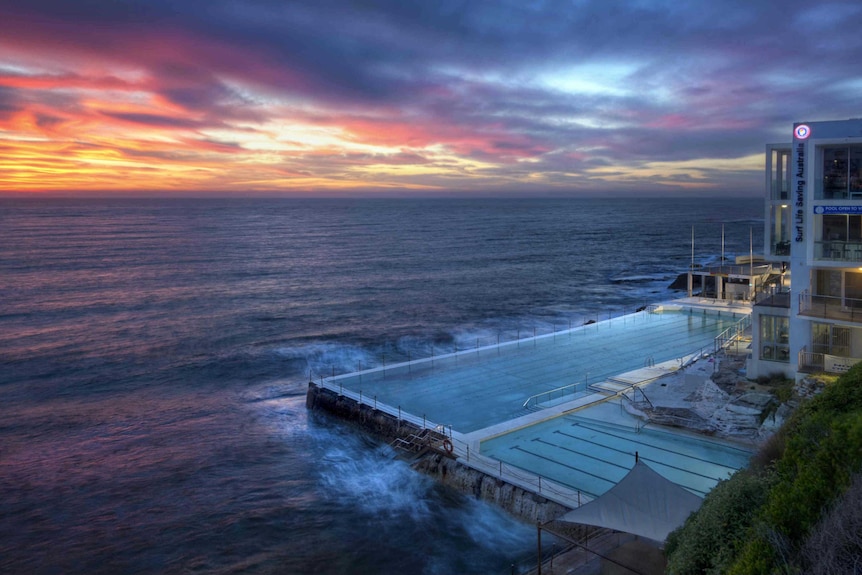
<point>643,503</point>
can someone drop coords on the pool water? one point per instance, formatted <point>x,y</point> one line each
<point>592,450</point>
<point>474,389</point>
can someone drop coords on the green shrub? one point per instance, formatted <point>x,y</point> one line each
<point>823,449</point>
<point>817,465</point>
<point>710,538</point>
<point>757,522</point>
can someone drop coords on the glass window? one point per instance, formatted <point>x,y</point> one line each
<point>834,172</point>
<point>774,337</point>
<point>780,175</point>
<point>853,289</point>
<point>780,232</point>
<point>830,339</point>
<point>855,172</point>
<point>820,337</point>
<point>842,172</point>
<point>835,228</point>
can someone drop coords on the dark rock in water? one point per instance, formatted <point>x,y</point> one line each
<point>589,322</point>
<point>681,282</point>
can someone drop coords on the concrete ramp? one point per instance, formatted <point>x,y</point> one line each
<point>646,374</point>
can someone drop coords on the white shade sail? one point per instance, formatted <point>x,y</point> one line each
<point>643,503</point>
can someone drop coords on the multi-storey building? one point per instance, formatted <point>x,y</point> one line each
<point>813,224</point>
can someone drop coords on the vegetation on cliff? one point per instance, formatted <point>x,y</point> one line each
<point>797,508</point>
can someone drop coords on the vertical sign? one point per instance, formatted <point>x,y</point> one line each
<point>800,134</point>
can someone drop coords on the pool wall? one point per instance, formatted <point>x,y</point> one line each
<point>474,475</point>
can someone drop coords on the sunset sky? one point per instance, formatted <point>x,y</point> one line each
<point>415,97</point>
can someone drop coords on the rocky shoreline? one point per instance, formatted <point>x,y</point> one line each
<point>714,397</point>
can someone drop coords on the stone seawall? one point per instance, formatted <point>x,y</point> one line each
<point>515,500</point>
<point>445,468</point>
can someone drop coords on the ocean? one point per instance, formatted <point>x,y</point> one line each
<point>154,355</point>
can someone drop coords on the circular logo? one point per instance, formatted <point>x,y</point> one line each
<point>802,131</point>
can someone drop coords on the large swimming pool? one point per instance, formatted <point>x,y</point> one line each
<point>471,390</point>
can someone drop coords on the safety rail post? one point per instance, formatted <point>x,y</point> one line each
<point>539,545</point>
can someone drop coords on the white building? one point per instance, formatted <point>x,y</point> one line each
<point>813,223</point>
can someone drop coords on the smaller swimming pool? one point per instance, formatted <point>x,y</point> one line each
<point>595,448</point>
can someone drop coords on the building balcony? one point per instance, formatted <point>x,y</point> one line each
<point>830,307</point>
<point>781,248</point>
<point>823,362</point>
<point>776,299</point>
<point>838,251</point>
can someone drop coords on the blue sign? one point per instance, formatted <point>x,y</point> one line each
<point>827,210</point>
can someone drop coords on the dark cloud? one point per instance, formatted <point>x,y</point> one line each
<point>9,101</point>
<point>154,120</point>
<point>569,85</point>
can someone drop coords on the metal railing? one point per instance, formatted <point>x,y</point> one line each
<point>422,423</point>
<point>733,334</point>
<point>815,362</point>
<point>520,477</point>
<point>556,394</point>
<point>634,398</point>
<point>810,362</point>
<point>839,251</point>
<point>831,307</point>
<point>492,467</point>
<point>512,338</point>
<point>744,270</point>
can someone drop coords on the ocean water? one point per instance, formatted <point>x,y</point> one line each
<point>154,355</point>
